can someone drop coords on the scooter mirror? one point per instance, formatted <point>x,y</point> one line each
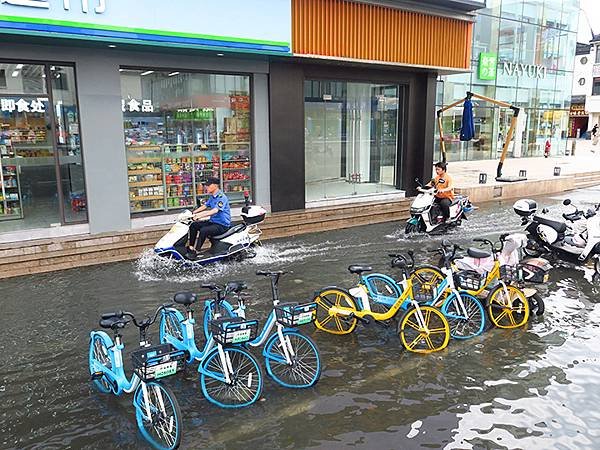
<point>566,202</point>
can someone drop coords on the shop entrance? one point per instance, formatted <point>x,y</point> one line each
<point>351,139</point>
<point>41,175</point>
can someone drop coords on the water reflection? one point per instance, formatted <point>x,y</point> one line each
<point>530,388</point>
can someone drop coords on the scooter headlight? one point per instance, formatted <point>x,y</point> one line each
<point>417,210</point>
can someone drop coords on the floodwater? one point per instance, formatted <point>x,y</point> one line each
<point>529,388</point>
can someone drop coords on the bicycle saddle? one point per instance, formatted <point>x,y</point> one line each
<point>358,269</point>
<point>478,254</point>
<point>236,286</point>
<point>114,323</point>
<point>185,298</point>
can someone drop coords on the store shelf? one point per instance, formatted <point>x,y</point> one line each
<point>182,196</point>
<point>179,184</point>
<point>138,211</point>
<point>145,183</point>
<point>137,159</point>
<point>148,197</point>
<point>144,148</point>
<point>236,168</point>
<point>144,172</point>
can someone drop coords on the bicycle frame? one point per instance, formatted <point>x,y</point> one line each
<point>117,377</point>
<point>266,331</point>
<point>189,344</point>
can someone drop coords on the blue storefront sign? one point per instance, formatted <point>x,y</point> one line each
<point>236,25</point>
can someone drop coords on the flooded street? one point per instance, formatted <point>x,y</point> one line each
<point>529,388</point>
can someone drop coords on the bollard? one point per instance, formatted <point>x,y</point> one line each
<point>482,178</point>
<point>573,145</point>
<point>557,171</point>
<point>523,173</point>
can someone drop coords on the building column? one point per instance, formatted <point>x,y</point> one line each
<point>260,140</point>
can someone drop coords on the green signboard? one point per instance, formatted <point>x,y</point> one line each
<point>195,114</point>
<point>487,66</point>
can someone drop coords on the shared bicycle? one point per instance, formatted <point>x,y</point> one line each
<point>292,359</point>
<point>230,376</point>
<point>421,328</point>
<point>157,411</point>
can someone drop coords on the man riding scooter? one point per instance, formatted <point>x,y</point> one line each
<point>445,189</point>
<point>211,219</point>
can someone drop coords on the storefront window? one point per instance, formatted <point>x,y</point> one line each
<point>512,9</point>
<point>552,14</point>
<point>41,173</point>
<point>532,11</point>
<point>181,128</point>
<point>485,35</point>
<point>509,41</point>
<point>351,138</point>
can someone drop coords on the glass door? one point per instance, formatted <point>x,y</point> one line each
<point>351,139</point>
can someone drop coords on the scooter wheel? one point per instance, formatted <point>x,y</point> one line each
<point>597,265</point>
<point>537,305</point>
<point>411,228</point>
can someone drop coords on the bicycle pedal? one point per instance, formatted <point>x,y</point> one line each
<point>97,375</point>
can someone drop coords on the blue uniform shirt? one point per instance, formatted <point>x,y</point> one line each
<point>220,201</point>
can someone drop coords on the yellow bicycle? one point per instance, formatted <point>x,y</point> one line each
<point>506,303</point>
<point>421,329</point>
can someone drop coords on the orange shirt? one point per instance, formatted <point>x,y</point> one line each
<point>443,182</point>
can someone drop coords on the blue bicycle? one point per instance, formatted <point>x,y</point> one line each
<point>291,358</point>
<point>157,411</point>
<point>464,312</point>
<point>230,376</point>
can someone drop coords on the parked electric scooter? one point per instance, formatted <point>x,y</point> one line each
<point>549,236</point>
<point>426,214</point>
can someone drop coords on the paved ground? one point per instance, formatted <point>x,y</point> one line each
<point>586,159</point>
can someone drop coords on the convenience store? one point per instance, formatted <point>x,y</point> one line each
<point>122,124</point>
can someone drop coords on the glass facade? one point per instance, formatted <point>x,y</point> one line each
<point>181,128</point>
<point>351,138</point>
<point>41,170</point>
<point>533,42</point>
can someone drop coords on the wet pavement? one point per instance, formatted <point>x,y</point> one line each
<point>527,388</point>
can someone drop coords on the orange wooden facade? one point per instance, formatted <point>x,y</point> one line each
<point>347,29</point>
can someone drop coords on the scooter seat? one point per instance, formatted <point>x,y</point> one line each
<point>478,254</point>
<point>456,201</point>
<point>229,232</point>
<point>559,227</point>
<point>184,298</point>
<point>359,269</point>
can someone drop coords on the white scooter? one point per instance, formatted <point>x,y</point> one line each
<point>426,214</point>
<point>238,242</point>
<point>578,245</point>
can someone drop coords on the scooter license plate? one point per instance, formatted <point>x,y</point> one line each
<point>166,369</point>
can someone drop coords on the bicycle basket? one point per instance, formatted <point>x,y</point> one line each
<point>293,314</point>
<point>510,273</point>
<point>158,361</point>
<point>470,280</point>
<point>233,330</point>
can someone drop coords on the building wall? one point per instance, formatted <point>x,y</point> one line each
<point>287,138</point>
<point>540,34</point>
<point>99,92</point>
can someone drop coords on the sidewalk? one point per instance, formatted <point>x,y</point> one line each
<point>577,171</point>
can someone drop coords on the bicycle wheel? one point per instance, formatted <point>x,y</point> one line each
<point>331,322</point>
<point>245,384</point>
<point>464,326</point>
<point>425,282</point>
<point>433,336</point>
<point>508,311</point>
<point>171,325</point>
<point>305,368</point>
<point>383,292</point>
<point>99,355</point>
<point>158,416</point>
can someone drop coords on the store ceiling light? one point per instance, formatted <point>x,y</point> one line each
<point>220,54</point>
<point>172,74</point>
<point>19,66</point>
<point>147,72</point>
<point>15,74</point>
<point>121,70</point>
<point>112,46</point>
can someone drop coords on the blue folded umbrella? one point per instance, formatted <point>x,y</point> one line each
<point>467,131</point>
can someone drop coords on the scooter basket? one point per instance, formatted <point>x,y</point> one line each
<point>510,273</point>
<point>293,314</point>
<point>233,330</point>
<point>470,280</point>
<point>158,361</point>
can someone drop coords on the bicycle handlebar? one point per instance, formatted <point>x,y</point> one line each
<point>141,324</point>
